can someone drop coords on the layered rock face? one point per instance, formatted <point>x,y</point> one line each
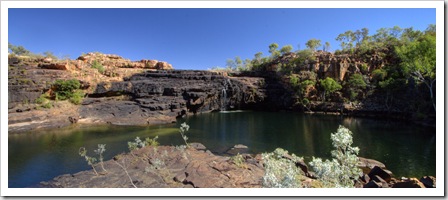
<point>326,64</point>
<point>163,96</point>
<point>28,77</point>
<point>144,94</point>
<point>112,60</point>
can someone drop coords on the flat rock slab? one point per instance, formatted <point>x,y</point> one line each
<point>162,167</point>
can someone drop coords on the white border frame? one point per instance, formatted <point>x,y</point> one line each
<point>439,191</point>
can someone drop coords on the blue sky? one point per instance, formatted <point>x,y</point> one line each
<point>195,38</point>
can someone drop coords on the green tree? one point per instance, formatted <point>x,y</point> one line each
<point>50,54</point>
<point>346,40</point>
<point>379,75</point>
<point>247,63</point>
<point>230,64</point>
<point>327,46</point>
<point>356,84</point>
<point>239,64</point>
<point>286,49</point>
<point>329,85</point>
<point>418,59</point>
<point>356,80</point>
<point>18,50</point>
<point>313,44</point>
<point>410,35</point>
<point>258,57</point>
<point>273,50</point>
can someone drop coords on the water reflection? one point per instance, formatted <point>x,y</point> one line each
<point>407,150</point>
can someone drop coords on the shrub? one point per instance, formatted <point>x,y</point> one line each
<point>182,130</point>
<point>44,101</point>
<point>101,149</point>
<point>42,98</point>
<point>136,145</point>
<point>152,142</point>
<point>90,160</point>
<point>77,97</point>
<point>97,65</point>
<point>329,85</point>
<point>64,89</point>
<point>279,171</point>
<point>294,80</point>
<point>357,81</point>
<point>379,75</point>
<point>238,160</point>
<point>342,170</point>
<point>140,144</point>
<point>364,68</point>
<point>305,101</point>
<point>48,104</point>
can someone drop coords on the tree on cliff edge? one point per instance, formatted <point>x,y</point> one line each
<point>329,85</point>
<point>313,44</point>
<point>418,58</point>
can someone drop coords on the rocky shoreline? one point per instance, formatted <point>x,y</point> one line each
<point>197,167</point>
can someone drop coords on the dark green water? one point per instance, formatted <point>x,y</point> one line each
<point>406,149</point>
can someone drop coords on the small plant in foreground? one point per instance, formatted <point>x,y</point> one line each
<point>281,172</point>
<point>140,144</point>
<point>238,160</point>
<point>101,149</point>
<point>90,160</point>
<point>342,170</point>
<point>182,130</point>
<point>152,142</point>
<point>123,166</point>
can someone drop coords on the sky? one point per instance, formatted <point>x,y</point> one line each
<point>195,38</point>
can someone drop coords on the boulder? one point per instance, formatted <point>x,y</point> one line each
<point>377,171</point>
<point>164,66</point>
<point>368,164</point>
<point>373,184</point>
<point>411,183</point>
<point>428,181</point>
<point>47,60</point>
<point>151,64</point>
<point>198,146</point>
<point>238,149</point>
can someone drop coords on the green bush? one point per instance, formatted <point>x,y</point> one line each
<point>364,68</point>
<point>44,101</point>
<point>77,97</point>
<point>47,104</point>
<point>357,81</point>
<point>294,80</point>
<point>329,85</point>
<point>64,89</point>
<point>152,142</point>
<point>42,98</point>
<point>342,170</point>
<point>97,65</point>
<point>379,75</point>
